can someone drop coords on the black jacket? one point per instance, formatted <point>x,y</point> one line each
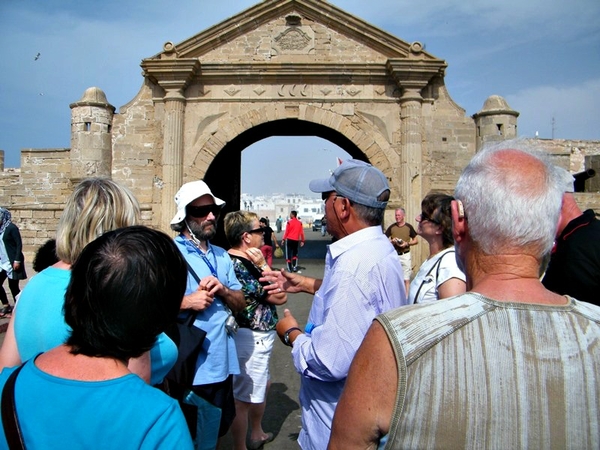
<point>574,267</point>
<point>14,249</point>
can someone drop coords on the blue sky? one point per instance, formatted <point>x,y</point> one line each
<point>542,56</point>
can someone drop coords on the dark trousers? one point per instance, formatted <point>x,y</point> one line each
<point>291,253</point>
<point>13,285</point>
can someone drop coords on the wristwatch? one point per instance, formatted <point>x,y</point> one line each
<point>286,336</point>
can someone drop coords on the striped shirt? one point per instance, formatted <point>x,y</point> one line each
<point>477,373</point>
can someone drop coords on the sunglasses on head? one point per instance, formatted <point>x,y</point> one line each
<point>198,212</point>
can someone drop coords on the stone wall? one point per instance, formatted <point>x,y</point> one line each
<point>35,194</point>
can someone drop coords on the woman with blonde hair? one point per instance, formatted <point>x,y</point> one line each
<point>256,334</point>
<point>97,205</point>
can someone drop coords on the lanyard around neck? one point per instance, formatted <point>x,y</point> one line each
<point>213,269</point>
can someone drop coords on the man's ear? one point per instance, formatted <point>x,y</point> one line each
<point>459,220</point>
<point>344,208</point>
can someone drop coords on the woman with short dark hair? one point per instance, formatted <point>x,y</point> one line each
<point>126,288</point>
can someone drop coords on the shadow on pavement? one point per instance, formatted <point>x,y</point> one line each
<point>279,408</point>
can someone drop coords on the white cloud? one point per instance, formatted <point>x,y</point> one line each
<point>575,110</point>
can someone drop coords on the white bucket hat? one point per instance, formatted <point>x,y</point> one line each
<point>187,194</point>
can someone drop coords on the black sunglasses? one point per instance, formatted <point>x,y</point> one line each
<point>425,217</point>
<point>256,230</point>
<point>198,212</point>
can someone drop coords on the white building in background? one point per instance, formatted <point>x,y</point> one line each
<point>280,205</point>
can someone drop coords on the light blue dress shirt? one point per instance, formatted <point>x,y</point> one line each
<point>363,278</point>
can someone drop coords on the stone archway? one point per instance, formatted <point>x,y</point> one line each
<point>282,66</point>
<point>296,67</point>
<point>305,61</point>
<point>224,172</point>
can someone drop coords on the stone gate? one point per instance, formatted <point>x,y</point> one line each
<point>282,67</point>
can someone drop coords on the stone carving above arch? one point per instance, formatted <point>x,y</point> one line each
<point>294,40</point>
<point>294,90</point>
<point>231,90</point>
<point>370,134</point>
<point>205,123</point>
<point>383,121</point>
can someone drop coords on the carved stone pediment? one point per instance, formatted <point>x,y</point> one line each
<point>293,40</point>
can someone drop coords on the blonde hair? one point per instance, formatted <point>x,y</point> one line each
<point>97,205</point>
<point>236,224</point>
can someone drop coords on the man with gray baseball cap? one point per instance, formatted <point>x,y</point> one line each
<point>363,278</point>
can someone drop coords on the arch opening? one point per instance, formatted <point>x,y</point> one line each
<point>224,175</point>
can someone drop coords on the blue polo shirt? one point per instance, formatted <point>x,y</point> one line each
<point>218,358</point>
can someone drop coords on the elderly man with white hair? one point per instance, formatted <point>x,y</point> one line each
<point>509,364</point>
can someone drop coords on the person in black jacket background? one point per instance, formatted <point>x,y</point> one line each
<point>12,261</point>
<point>574,267</point>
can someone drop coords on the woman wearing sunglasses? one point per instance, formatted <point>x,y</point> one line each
<point>439,276</point>
<point>256,334</point>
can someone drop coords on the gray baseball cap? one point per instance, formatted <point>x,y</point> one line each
<point>356,180</point>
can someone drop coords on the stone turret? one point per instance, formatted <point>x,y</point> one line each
<point>91,135</point>
<point>495,122</point>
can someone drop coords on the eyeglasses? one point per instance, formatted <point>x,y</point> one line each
<point>330,196</point>
<point>256,230</point>
<point>202,211</point>
<point>425,218</point>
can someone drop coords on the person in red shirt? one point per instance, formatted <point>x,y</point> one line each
<point>293,238</point>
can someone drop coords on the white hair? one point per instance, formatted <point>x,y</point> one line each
<point>508,207</point>
<point>566,180</point>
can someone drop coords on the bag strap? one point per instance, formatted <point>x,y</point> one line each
<point>197,278</point>
<point>256,274</point>
<point>192,271</point>
<point>437,272</point>
<point>192,316</point>
<point>10,420</point>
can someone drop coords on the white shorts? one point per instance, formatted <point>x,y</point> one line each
<point>406,264</point>
<point>254,350</point>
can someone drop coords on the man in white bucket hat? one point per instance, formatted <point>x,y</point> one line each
<point>213,291</point>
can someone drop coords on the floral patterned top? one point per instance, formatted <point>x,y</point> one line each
<point>258,314</point>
